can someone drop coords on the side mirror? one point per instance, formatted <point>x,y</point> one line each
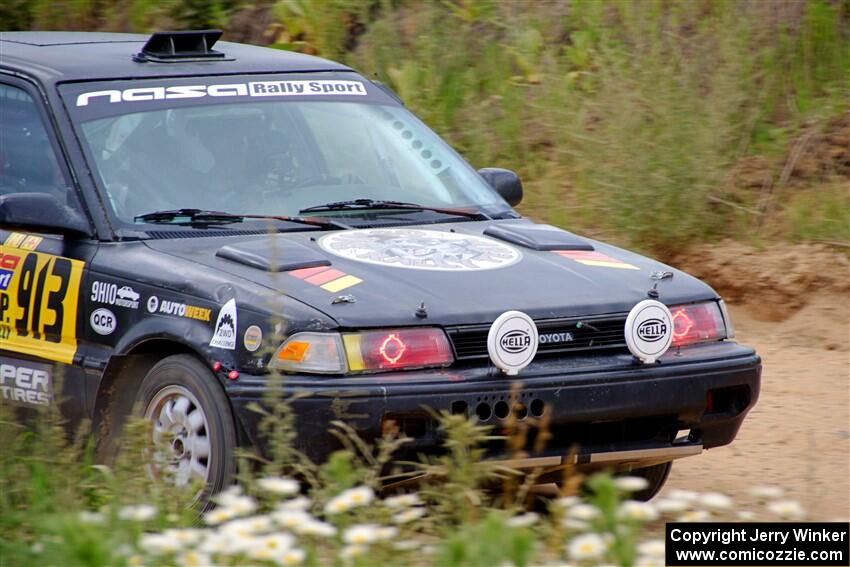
<point>505,182</point>
<point>41,212</point>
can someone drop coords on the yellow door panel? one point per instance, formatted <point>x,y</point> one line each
<point>39,294</point>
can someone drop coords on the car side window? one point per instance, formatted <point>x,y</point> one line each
<point>27,160</point>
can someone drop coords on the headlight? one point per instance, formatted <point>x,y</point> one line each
<point>697,323</point>
<point>397,348</point>
<point>368,351</point>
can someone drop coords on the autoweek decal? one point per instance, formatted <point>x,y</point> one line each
<point>38,303</point>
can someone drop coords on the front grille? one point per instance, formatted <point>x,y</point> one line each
<point>588,333</point>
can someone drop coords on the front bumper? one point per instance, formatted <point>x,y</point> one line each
<point>590,406</point>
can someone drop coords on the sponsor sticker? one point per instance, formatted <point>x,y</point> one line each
<point>103,321</point>
<point>253,338</point>
<point>111,294</point>
<point>649,330</point>
<point>512,341</point>
<point>597,259</point>
<point>329,279</point>
<point>39,294</point>
<point>420,249</point>
<point>178,309</point>
<point>23,241</point>
<point>25,383</point>
<point>250,89</point>
<point>224,335</point>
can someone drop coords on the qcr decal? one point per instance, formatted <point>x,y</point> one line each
<point>39,294</point>
<point>25,383</point>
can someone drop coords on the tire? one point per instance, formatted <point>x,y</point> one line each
<point>192,422</point>
<point>656,475</point>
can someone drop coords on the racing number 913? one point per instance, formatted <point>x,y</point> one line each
<point>38,304</point>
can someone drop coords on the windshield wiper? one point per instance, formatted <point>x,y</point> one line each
<point>364,204</point>
<point>201,217</point>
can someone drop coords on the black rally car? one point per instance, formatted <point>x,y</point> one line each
<point>179,219</point>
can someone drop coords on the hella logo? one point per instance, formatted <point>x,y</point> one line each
<point>652,330</point>
<point>516,341</point>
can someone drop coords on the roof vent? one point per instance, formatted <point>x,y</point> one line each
<point>181,46</point>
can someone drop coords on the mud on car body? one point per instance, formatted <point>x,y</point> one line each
<point>179,222</point>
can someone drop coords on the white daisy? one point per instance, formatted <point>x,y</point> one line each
<point>292,557</point>
<point>639,511</point>
<point>766,492</point>
<point>139,513</point>
<point>586,546</point>
<point>653,547</point>
<point>671,505</point>
<point>402,501</point>
<point>787,509</point>
<point>279,485</point>
<point>193,558</point>
<point>348,499</point>
<point>409,515</point>
<point>523,520</point>
<point>631,483</point>
<point>686,495</point>
<point>583,512</point>
<point>716,501</point>
<point>158,544</point>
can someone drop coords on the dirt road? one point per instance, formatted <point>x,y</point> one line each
<point>798,435</point>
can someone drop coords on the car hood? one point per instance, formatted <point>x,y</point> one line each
<point>445,274</point>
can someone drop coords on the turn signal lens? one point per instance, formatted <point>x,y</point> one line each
<point>310,352</point>
<point>697,323</point>
<point>396,349</point>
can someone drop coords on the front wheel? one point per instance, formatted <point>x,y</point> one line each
<point>193,427</point>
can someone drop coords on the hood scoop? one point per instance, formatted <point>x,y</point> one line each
<point>541,237</point>
<point>272,255</point>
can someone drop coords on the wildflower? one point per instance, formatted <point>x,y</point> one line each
<point>716,501</point>
<point>406,545</point>
<point>193,558</point>
<point>219,516</point>
<point>158,544</point>
<point>765,492</point>
<point>671,505</point>
<point>523,520</point>
<point>586,546</point>
<point>686,495</point>
<point>640,511</point>
<point>135,561</point>
<point>695,516</point>
<point>572,524</point>
<point>631,483</point>
<point>353,550</point>
<point>315,528</point>
<point>583,512</point>
<point>649,561</point>
<point>249,526</point>
<point>348,499</point>
<point>362,534</point>
<point>567,501</point>
<point>745,515</point>
<point>788,509</point>
<point>279,485</point>
<point>241,505</point>
<point>269,547</point>
<point>184,536</point>
<point>653,547</point>
<point>290,519</point>
<point>292,557</point>
<point>214,544</point>
<point>402,501</point>
<point>408,515</point>
<point>297,503</point>
<point>87,517</point>
<point>140,513</point>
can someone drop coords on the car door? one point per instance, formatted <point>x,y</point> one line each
<point>40,272</point>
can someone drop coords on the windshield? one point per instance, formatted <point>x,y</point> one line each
<point>272,157</point>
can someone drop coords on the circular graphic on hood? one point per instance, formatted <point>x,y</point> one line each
<point>420,249</point>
